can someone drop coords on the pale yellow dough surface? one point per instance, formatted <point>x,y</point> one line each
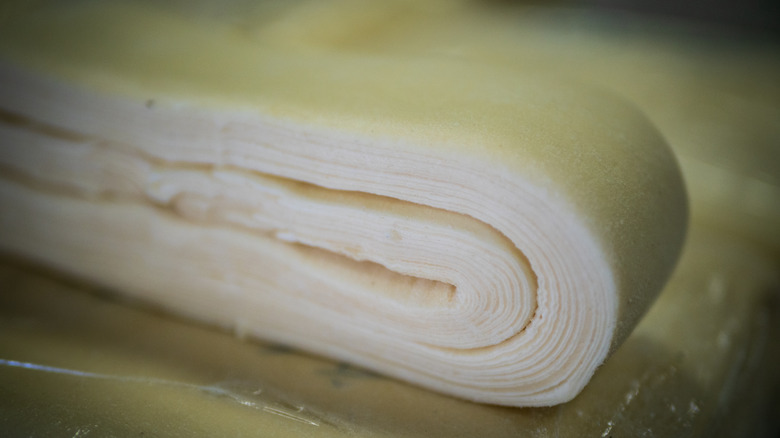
<point>484,232</point>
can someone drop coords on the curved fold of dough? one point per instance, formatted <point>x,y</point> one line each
<point>486,235</point>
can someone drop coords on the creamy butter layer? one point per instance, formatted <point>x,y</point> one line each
<point>486,234</point>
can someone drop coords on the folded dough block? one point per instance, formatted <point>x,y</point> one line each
<point>482,233</point>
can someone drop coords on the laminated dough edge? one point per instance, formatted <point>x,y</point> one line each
<point>589,163</point>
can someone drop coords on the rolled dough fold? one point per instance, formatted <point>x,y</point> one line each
<point>489,235</point>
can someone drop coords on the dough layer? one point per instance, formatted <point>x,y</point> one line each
<point>486,234</point>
